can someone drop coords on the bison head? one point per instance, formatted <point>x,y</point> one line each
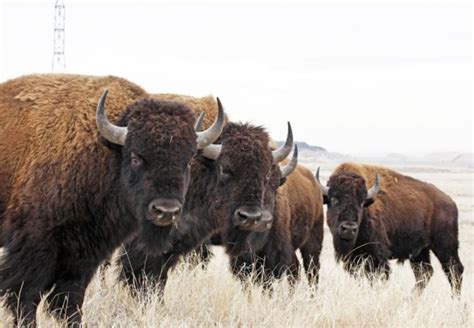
<point>154,142</point>
<point>346,197</point>
<point>248,175</point>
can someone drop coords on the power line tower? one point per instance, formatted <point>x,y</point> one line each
<point>59,60</point>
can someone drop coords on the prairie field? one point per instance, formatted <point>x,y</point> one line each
<point>204,297</point>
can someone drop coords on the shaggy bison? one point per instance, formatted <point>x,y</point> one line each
<point>75,186</point>
<point>376,214</point>
<point>298,220</point>
<point>233,184</point>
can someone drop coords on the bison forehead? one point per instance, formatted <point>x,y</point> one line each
<point>250,142</point>
<point>348,184</point>
<point>159,117</point>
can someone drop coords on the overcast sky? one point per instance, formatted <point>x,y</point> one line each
<point>359,77</point>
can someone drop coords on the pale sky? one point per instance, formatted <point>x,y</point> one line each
<point>358,77</point>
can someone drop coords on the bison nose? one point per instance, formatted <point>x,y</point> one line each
<point>247,216</point>
<point>164,211</point>
<point>348,230</point>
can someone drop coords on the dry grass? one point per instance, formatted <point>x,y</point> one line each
<point>212,297</point>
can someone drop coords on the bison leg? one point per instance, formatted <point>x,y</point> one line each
<point>376,268</point>
<point>142,272</point>
<point>453,269</point>
<point>201,256</point>
<point>311,251</point>
<point>445,248</point>
<point>422,269</point>
<point>23,306</point>
<point>65,301</point>
<point>26,270</point>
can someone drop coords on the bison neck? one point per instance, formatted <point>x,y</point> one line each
<point>370,241</point>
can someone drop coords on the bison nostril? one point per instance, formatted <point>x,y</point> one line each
<point>164,209</point>
<point>245,215</point>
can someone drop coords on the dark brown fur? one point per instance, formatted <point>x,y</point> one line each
<point>298,224</point>
<point>243,174</point>
<point>67,201</point>
<point>406,220</point>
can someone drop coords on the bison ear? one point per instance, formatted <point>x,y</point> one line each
<point>110,145</point>
<point>325,199</point>
<point>368,202</point>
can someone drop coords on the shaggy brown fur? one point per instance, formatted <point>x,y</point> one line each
<point>242,175</point>
<point>67,201</point>
<point>406,220</point>
<point>298,224</point>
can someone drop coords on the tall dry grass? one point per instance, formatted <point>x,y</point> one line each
<point>213,297</point>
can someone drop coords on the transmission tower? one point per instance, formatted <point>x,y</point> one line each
<point>59,60</point>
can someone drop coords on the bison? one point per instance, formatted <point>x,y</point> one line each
<point>75,186</point>
<point>376,214</point>
<point>233,183</point>
<point>298,221</point>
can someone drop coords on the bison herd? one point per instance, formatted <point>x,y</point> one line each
<point>85,171</point>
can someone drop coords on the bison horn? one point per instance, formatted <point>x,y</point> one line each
<point>291,166</point>
<point>198,124</point>
<point>374,189</point>
<point>212,151</point>
<point>324,189</point>
<point>283,152</point>
<point>113,133</point>
<point>207,137</point>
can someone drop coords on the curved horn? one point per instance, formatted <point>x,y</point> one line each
<point>212,151</point>
<point>283,152</point>
<point>374,189</point>
<point>324,189</point>
<point>207,137</point>
<point>111,132</point>
<point>291,166</point>
<point>198,124</point>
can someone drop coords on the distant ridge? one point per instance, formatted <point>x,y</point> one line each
<point>302,145</point>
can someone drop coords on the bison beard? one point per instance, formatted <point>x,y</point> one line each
<point>342,247</point>
<point>153,239</point>
<point>236,241</point>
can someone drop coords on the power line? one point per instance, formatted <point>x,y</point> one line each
<point>59,59</point>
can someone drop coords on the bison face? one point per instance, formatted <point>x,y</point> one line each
<point>154,143</point>
<point>248,176</point>
<point>346,198</point>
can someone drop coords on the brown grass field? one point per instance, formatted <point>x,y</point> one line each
<point>197,297</point>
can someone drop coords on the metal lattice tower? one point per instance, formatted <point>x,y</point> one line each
<point>59,60</point>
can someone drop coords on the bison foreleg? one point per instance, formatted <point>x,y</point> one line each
<point>422,269</point>
<point>26,270</point>
<point>65,300</point>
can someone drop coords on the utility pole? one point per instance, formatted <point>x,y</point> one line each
<point>59,60</point>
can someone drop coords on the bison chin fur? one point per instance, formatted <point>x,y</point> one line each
<point>236,241</point>
<point>154,239</point>
<point>342,247</point>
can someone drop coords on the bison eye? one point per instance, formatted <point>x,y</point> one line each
<point>334,201</point>
<point>135,160</point>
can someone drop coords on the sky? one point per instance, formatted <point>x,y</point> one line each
<point>356,77</point>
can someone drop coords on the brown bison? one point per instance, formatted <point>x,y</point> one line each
<point>298,220</point>
<point>75,186</point>
<point>233,184</point>
<point>376,214</point>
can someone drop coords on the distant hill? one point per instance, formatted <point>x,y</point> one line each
<point>305,146</point>
<point>466,159</point>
